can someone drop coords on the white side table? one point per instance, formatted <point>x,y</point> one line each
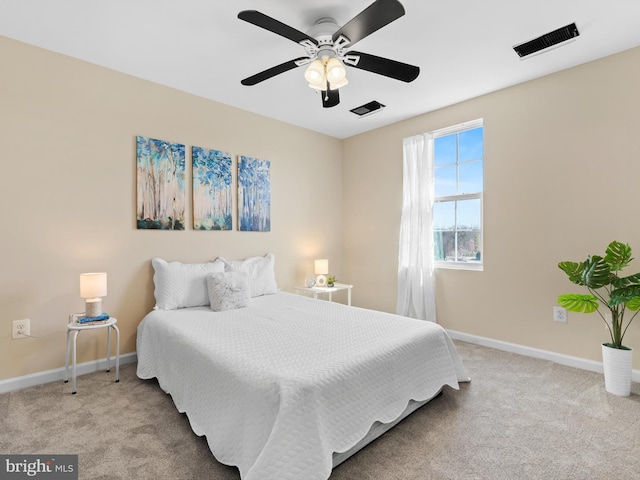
<point>315,291</point>
<point>77,327</point>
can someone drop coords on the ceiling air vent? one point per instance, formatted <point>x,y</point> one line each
<point>367,108</point>
<point>548,40</point>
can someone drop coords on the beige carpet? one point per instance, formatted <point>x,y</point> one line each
<point>519,418</point>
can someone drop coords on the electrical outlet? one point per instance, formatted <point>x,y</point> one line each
<point>560,314</point>
<point>21,328</point>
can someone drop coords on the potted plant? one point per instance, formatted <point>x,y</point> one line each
<point>617,295</point>
<point>331,281</point>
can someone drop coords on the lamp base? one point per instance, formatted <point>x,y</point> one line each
<point>321,281</point>
<point>93,307</point>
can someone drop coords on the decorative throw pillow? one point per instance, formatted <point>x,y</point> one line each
<point>228,290</point>
<point>182,285</point>
<point>260,272</point>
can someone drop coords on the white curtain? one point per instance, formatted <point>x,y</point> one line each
<point>416,286</point>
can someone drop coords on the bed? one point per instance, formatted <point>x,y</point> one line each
<point>286,387</point>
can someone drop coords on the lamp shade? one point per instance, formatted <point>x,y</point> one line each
<point>93,285</point>
<point>315,75</point>
<point>335,70</point>
<point>321,266</point>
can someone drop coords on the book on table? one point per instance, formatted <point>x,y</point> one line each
<point>97,320</point>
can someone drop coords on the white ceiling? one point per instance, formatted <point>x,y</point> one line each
<point>463,48</point>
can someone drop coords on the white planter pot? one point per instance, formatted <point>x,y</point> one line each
<point>617,370</point>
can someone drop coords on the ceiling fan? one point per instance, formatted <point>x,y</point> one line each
<point>326,45</point>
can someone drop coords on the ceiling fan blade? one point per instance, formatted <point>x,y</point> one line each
<point>372,18</point>
<point>330,98</point>
<point>273,71</point>
<point>382,66</point>
<point>275,26</point>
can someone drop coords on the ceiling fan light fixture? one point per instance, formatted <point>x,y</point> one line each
<point>335,70</point>
<point>326,71</point>
<point>315,75</point>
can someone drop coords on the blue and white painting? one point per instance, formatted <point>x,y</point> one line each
<point>254,195</point>
<point>212,196</point>
<point>160,184</point>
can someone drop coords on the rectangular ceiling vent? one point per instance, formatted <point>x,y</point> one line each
<point>548,40</point>
<point>367,109</point>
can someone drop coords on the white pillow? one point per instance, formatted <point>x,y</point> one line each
<point>260,273</point>
<point>182,285</point>
<point>228,290</point>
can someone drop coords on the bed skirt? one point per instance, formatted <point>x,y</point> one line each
<point>378,429</point>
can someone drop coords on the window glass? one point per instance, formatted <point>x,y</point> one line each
<point>470,145</point>
<point>458,189</point>
<point>468,214</point>
<point>445,182</point>
<point>444,150</point>
<point>444,216</point>
<point>470,178</point>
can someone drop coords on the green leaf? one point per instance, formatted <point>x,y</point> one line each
<point>573,271</point>
<point>633,304</point>
<point>618,256</point>
<point>576,302</point>
<point>596,272</point>
<point>629,295</point>
<point>623,282</point>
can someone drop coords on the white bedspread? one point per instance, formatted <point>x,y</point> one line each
<point>279,386</point>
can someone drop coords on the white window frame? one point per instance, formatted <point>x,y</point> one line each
<point>456,264</point>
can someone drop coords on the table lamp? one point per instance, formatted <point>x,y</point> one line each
<point>321,268</point>
<point>93,286</point>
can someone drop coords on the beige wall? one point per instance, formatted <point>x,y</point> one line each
<point>562,169</point>
<point>67,188</point>
<point>67,150</point>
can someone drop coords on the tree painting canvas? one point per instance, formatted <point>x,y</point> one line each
<point>160,184</point>
<point>212,200</point>
<point>254,195</point>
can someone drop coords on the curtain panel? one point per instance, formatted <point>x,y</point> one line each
<point>416,283</point>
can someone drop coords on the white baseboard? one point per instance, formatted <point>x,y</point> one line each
<point>560,358</point>
<point>57,374</point>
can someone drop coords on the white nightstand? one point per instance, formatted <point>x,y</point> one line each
<point>77,327</point>
<point>315,291</point>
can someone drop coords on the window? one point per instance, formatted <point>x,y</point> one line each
<point>458,162</point>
